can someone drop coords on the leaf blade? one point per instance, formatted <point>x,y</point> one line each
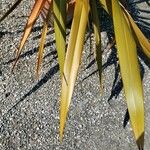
<point>31,20</point>
<point>70,73</point>
<point>130,72</point>
<point>59,8</point>
<point>143,41</point>
<point>41,47</point>
<point>67,68</point>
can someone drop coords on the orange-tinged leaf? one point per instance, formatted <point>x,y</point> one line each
<point>73,57</point>
<point>10,10</point>
<point>31,20</point>
<point>130,71</point>
<point>41,47</point>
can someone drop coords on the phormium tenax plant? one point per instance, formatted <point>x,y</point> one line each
<point>58,13</point>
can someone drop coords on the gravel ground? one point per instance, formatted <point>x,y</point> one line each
<point>29,109</point>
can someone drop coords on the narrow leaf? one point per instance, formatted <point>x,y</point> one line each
<point>129,71</point>
<point>106,4</point>
<point>32,18</point>
<point>97,33</point>
<point>10,10</point>
<point>143,41</point>
<point>73,57</point>
<point>67,66</point>
<point>59,8</point>
<point>41,47</point>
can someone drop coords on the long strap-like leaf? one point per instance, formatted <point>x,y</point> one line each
<point>41,47</point>
<point>67,66</point>
<point>129,71</point>
<point>73,57</point>
<point>59,8</point>
<point>32,18</point>
<point>143,41</point>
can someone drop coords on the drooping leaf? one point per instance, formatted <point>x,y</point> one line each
<point>10,10</point>
<point>31,20</point>
<point>143,41</point>
<point>97,33</point>
<point>73,57</point>
<point>129,71</point>
<point>67,66</point>
<point>59,8</point>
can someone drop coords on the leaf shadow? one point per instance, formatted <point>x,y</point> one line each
<point>112,60</point>
<point>32,52</point>
<point>39,84</point>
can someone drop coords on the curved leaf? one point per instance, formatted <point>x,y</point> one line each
<point>129,71</point>
<point>143,41</point>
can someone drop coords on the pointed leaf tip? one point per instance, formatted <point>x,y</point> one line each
<point>130,72</point>
<point>31,20</point>
<point>73,57</point>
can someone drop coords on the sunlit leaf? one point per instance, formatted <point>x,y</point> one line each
<point>129,71</point>
<point>10,10</point>
<point>41,47</point>
<point>31,20</point>
<point>59,8</point>
<point>106,4</point>
<point>73,57</point>
<point>143,41</point>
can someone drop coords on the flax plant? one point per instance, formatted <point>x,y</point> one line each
<point>58,13</point>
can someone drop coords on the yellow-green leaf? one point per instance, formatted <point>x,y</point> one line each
<point>129,71</point>
<point>143,41</point>
<point>97,33</point>
<point>59,8</point>
<point>67,66</point>
<point>106,4</point>
<point>31,20</point>
<point>10,10</point>
<point>73,57</point>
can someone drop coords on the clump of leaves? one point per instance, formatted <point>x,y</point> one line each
<point>127,36</point>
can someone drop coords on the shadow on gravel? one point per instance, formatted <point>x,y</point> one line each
<point>40,83</point>
<point>32,52</point>
<point>112,59</point>
<point>35,29</point>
